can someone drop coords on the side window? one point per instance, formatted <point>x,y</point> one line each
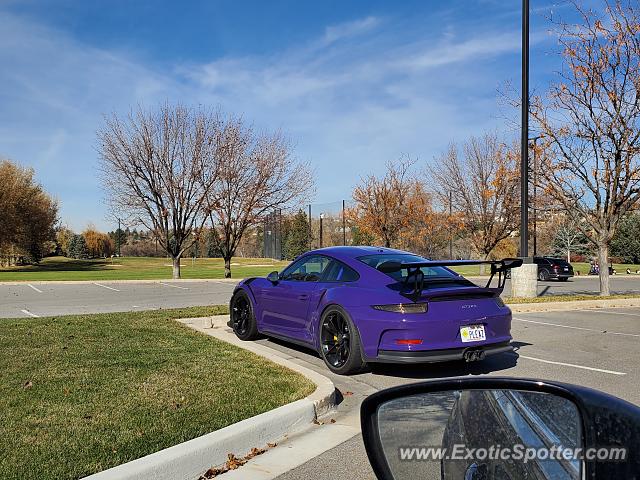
<point>308,269</point>
<point>339,272</point>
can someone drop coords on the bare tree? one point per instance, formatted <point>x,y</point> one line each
<point>158,168</point>
<point>257,174</point>
<point>591,123</point>
<point>483,185</point>
<point>568,236</point>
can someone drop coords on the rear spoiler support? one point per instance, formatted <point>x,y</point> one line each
<point>415,275</point>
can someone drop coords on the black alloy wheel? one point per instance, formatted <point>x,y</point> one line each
<point>336,339</point>
<point>242,319</point>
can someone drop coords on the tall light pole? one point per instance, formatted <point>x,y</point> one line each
<point>535,193</point>
<point>524,279</point>
<point>118,237</point>
<point>524,138</point>
<point>321,218</point>
<point>450,229</point>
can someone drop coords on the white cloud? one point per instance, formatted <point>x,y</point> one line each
<point>350,100</point>
<point>350,29</point>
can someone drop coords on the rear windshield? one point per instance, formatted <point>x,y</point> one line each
<point>430,273</point>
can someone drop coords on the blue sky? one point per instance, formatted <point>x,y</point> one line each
<point>353,84</point>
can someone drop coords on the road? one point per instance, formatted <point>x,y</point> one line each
<point>41,299</point>
<point>63,298</point>
<point>595,348</point>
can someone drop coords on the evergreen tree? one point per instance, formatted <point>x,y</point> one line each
<point>78,247</point>
<point>626,242</point>
<point>358,237</point>
<point>213,249</point>
<point>297,238</point>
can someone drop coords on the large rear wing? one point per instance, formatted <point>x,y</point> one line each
<point>415,275</point>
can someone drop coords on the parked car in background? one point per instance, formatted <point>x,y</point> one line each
<point>550,268</point>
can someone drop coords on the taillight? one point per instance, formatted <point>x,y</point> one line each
<point>403,307</point>
<point>409,341</point>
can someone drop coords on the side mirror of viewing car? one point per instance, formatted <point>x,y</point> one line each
<point>496,428</point>
<point>273,277</point>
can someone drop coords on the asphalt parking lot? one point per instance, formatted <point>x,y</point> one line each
<point>55,298</point>
<point>594,348</point>
<point>63,298</point>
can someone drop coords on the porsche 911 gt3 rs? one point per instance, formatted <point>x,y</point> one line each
<point>356,305</point>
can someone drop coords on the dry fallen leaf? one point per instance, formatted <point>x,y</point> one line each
<point>28,384</point>
<point>348,394</point>
<point>234,462</point>
<point>272,445</point>
<point>333,420</point>
<point>254,453</point>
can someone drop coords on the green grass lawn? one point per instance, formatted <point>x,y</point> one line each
<point>79,394</point>
<point>148,268</point>
<point>136,268</point>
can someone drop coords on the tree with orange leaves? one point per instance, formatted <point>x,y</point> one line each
<point>590,123</point>
<point>396,210</point>
<point>381,204</point>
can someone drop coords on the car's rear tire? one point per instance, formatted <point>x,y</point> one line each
<point>340,345</point>
<point>543,275</point>
<point>243,320</point>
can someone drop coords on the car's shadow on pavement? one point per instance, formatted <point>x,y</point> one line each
<point>494,363</point>
<point>426,371</point>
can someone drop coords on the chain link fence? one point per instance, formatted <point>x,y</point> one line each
<point>328,225</point>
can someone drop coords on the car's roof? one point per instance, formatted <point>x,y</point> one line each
<point>354,252</point>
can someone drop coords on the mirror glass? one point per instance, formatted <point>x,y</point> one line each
<point>273,277</point>
<point>481,435</point>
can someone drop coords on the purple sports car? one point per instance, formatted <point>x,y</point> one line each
<point>356,305</point>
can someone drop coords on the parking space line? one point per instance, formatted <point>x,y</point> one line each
<point>107,287</point>
<point>35,288</point>
<point>27,312</point>
<point>578,328</point>
<point>601,370</point>
<point>173,286</point>
<point>611,312</point>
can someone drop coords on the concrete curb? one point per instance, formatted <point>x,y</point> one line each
<point>191,459</point>
<point>231,281</point>
<point>573,305</point>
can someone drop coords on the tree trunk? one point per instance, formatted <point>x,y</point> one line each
<point>483,267</point>
<point>227,268</point>
<point>603,262</point>
<point>176,267</point>
<point>568,255</point>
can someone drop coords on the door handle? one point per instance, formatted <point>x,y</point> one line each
<point>303,296</point>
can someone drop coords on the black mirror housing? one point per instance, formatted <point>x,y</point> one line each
<point>606,421</point>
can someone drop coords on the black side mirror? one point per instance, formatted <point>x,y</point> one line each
<point>273,277</point>
<point>492,427</point>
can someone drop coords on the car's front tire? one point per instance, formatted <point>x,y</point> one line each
<point>340,345</point>
<point>243,320</point>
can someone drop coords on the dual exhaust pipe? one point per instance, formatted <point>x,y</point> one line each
<point>473,355</point>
